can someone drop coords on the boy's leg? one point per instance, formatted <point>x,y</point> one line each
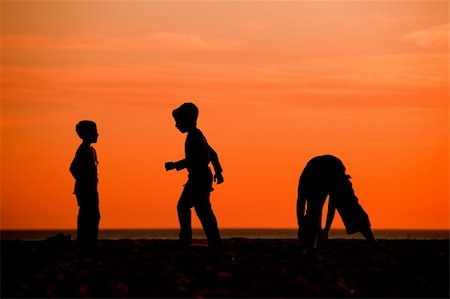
<point>88,219</point>
<point>83,218</point>
<point>81,225</point>
<point>368,234</point>
<point>208,219</point>
<point>92,224</point>
<point>184,216</point>
<point>352,213</point>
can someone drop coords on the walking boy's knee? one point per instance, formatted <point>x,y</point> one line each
<point>204,210</point>
<point>182,206</point>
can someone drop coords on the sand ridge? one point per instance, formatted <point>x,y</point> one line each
<point>242,268</point>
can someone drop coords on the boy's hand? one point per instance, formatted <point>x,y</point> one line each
<point>169,166</point>
<point>218,178</point>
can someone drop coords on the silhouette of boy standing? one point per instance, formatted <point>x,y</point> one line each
<point>325,176</point>
<point>196,193</point>
<point>84,170</point>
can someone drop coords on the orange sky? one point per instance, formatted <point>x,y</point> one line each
<point>277,83</point>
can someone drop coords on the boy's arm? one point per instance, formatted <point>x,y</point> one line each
<point>301,201</point>
<point>72,169</point>
<point>216,165</point>
<point>75,166</point>
<point>182,164</point>
<point>330,216</point>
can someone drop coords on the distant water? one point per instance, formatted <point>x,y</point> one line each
<point>116,234</point>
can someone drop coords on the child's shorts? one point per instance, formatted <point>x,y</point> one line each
<point>353,216</point>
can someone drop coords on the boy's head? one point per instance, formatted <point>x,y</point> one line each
<point>87,130</point>
<point>185,117</point>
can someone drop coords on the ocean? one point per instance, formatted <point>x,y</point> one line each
<point>116,234</point>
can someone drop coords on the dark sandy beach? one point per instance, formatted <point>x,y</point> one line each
<point>242,268</point>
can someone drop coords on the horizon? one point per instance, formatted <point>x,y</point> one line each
<point>276,82</point>
<point>222,228</point>
<point>226,233</point>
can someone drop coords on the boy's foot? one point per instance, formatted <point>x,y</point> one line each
<point>214,244</point>
<point>375,245</point>
<point>183,244</point>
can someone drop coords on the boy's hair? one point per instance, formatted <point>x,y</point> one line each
<point>85,128</point>
<point>187,112</point>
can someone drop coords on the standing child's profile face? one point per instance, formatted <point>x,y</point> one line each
<point>181,125</point>
<point>90,136</point>
<point>93,136</point>
<point>87,131</point>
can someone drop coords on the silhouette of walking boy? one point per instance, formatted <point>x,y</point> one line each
<point>196,192</point>
<point>325,176</point>
<point>84,170</point>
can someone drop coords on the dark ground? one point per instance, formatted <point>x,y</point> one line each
<point>242,268</point>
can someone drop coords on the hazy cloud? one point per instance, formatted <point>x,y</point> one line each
<point>157,42</point>
<point>432,38</point>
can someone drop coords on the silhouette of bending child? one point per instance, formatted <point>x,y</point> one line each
<point>84,170</point>
<point>325,176</point>
<point>196,192</point>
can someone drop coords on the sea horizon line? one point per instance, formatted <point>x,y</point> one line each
<point>226,233</point>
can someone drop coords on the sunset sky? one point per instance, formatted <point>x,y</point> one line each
<point>276,82</point>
